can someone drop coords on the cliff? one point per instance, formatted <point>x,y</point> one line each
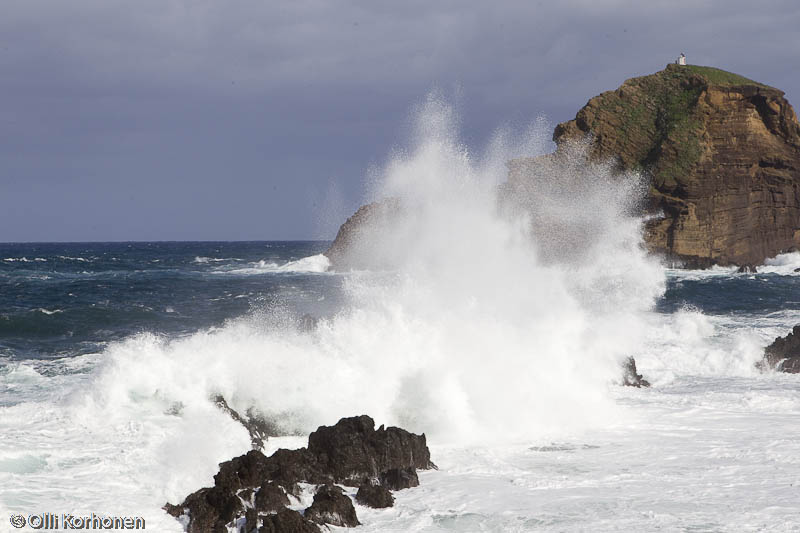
<point>722,153</point>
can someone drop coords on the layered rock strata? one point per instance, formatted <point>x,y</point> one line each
<point>722,153</point>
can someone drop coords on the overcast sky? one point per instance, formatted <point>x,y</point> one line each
<point>240,120</point>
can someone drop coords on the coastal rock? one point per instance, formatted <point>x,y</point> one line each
<point>630,377</point>
<point>723,153</point>
<point>747,269</point>
<point>287,521</point>
<point>399,478</point>
<point>375,496</point>
<point>208,509</point>
<point>783,354</point>
<point>352,453</point>
<point>256,425</point>
<point>332,506</point>
<point>270,498</point>
<point>354,243</point>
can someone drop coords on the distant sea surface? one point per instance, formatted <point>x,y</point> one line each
<point>67,299</point>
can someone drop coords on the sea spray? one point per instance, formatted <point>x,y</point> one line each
<point>483,324</point>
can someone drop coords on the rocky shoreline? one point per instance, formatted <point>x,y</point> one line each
<point>256,493</point>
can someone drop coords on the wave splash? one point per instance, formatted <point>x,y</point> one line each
<point>495,322</point>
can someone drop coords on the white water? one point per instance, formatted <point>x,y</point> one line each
<point>500,328</point>
<point>314,264</point>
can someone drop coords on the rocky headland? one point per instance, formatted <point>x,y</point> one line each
<point>256,493</point>
<point>721,152</point>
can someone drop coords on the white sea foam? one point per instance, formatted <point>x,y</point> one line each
<point>313,264</point>
<point>203,259</point>
<point>49,311</point>
<point>488,326</point>
<point>784,264</point>
<point>25,260</point>
<point>499,323</point>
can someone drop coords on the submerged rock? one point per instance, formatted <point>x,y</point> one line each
<point>351,453</point>
<point>783,354</point>
<point>630,377</point>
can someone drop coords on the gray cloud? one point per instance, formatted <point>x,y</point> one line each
<point>231,120</point>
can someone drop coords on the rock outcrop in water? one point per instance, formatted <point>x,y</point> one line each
<point>351,248</point>
<point>783,354</point>
<point>722,153</point>
<point>630,376</point>
<point>253,491</point>
<point>256,425</point>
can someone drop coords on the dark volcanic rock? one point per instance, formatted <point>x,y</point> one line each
<point>287,521</point>
<point>630,378</point>
<point>270,498</point>
<point>332,506</point>
<point>399,478</point>
<point>209,510</point>
<point>352,452</point>
<point>376,496</point>
<point>783,354</point>
<point>747,269</point>
<point>259,428</point>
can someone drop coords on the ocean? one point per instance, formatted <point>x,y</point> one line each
<point>495,326</point>
<point>99,343</point>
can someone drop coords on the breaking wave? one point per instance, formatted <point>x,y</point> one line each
<point>500,317</point>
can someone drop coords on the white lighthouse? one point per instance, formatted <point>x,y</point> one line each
<point>681,60</point>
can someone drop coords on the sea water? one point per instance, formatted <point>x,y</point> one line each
<point>498,329</point>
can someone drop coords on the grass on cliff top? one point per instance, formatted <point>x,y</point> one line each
<point>717,76</point>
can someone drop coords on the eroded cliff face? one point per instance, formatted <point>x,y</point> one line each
<point>722,153</point>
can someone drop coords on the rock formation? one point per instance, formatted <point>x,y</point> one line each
<point>256,425</point>
<point>783,354</point>
<point>351,248</point>
<point>253,490</point>
<point>630,376</point>
<point>723,154</point>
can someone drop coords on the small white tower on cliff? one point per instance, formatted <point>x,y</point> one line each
<point>681,60</point>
